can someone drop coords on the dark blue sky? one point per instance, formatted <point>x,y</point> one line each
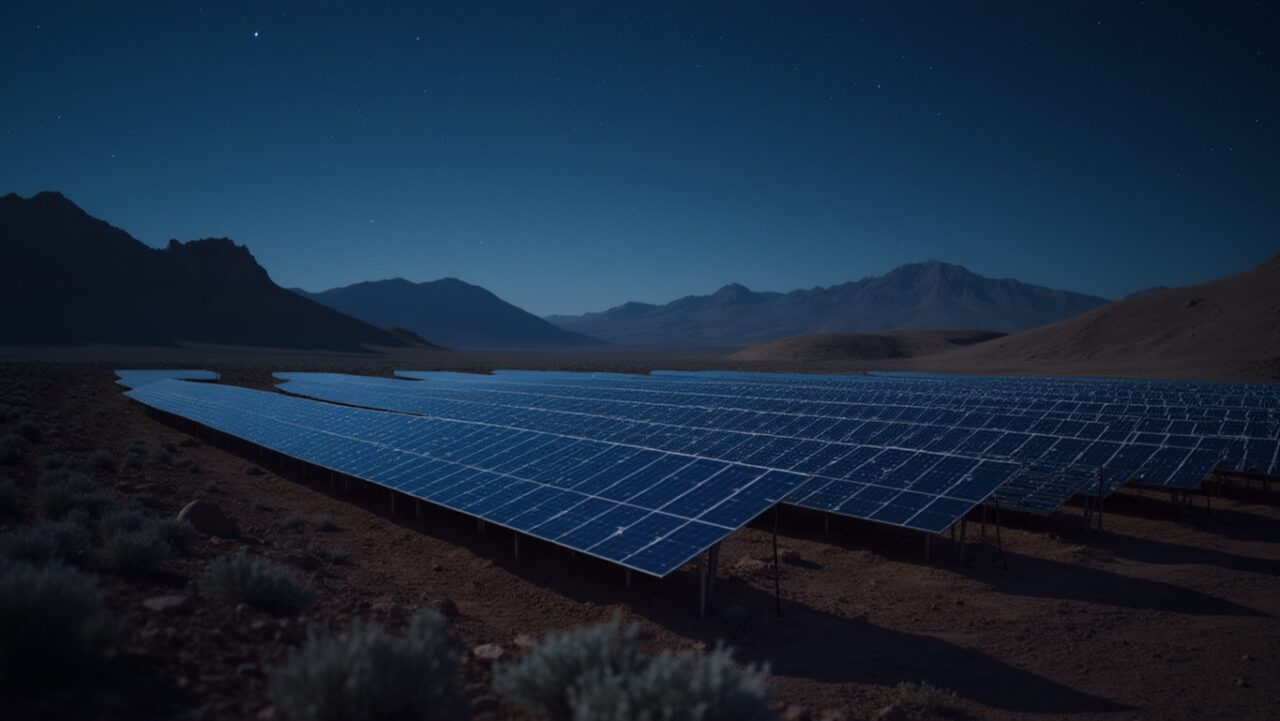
<point>575,158</point>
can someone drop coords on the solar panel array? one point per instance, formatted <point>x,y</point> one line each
<point>826,410</point>
<point>643,509</point>
<point>131,378</point>
<point>916,488</point>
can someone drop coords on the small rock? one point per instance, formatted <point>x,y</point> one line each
<point>172,604</point>
<point>735,614</point>
<point>207,517</point>
<point>796,713</point>
<point>1241,682</point>
<point>748,565</point>
<point>438,568</point>
<point>487,653</point>
<point>446,607</point>
<point>524,641</point>
<point>1246,658</point>
<point>892,713</point>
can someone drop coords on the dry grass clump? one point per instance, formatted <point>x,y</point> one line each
<point>53,624</point>
<point>924,697</point>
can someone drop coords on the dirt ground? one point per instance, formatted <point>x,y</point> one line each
<point>1159,616</point>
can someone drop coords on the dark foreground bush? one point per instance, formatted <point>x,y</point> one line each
<point>46,541</point>
<point>52,624</point>
<point>135,552</point>
<point>13,448</point>
<point>677,686</point>
<point>258,582</point>
<point>596,673</point>
<point>8,497</point>
<point>546,678</point>
<point>178,535</point>
<point>61,492</point>
<point>370,674</point>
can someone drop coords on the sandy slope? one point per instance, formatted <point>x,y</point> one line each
<point>1227,328</point>
<point>862,346</point>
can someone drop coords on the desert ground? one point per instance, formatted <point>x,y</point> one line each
<point>1161,615</point>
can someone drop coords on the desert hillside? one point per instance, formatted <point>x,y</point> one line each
<point>1224,329</point>
<point>863,346</point>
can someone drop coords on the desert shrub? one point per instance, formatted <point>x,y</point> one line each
<point>136,447</point>
<point>162,456</point>
<point>369,674</point>
<point>103,460</point>
<point>924,697</point>
<point>676,686</point>
<point>329,554</point>
<point>8,497</point>
<point>190,465</point>
<point>178,535</point>
<point>13,448</point>
<point>189,442</point>
<point>47,541</point>
<point>29,431</point>
<point>326,524</point>
<point>61,492</point>
<point>258,582</point>
<point>253,469</point>
<point>52,622</point>
<point>293,522</point>
<point>133,552</point>
<point>54,462</point>
<point>547,678</point>
<point>125,518</point>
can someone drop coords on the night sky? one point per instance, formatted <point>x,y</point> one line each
<point>573,158</point>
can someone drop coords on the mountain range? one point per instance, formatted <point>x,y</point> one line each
<point>67,278</point>
<point>448,311</point>
<point>914,296</point>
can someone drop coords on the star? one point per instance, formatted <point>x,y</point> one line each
<point>255,33</point>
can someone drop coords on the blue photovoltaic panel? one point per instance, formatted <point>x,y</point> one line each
<point>640,508</point>
<point>914,488</point>
<point>1044,489</point>
<point>805,410</point>
<point>136,378</point>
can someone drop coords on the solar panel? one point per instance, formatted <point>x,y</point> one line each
<point>797,409</point>
<point>1043,489</point>
<point>914,488</point>
<point>643,509</point>
<point>130,378</point>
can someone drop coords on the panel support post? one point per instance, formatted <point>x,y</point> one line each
<point>999,543</point>
<point>826,524</point>
<point>516,537</point>
<point>1101,485</point>
<point>713,563</point>
<point>777,571</point>
<point>982,536</point>
<point>964,537</point>
<point>928,546</point>
<point>393,503</point>
<point>702,590</point>
<point>333,483</point>
<point>628,570</point>
<point>417,508</point>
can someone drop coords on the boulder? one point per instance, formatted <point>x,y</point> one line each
<point>171,604</point>
<point>487,653</point>
<point>208,518</point>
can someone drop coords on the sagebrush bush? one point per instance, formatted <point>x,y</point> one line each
<point>29,431</point>
<point>924,697</point>
<point>326,524</point>
<point>13,449</point>
<point>61,492</point>
<point>52,623</point>
<point>597,673</point>
<point>369,674</point>
<point>133,552</point>
<point>293,522</point>
<point>190,465</point>
<point>124,518</point>
<point>104,461</point>
<point>546,678</point>
<point>258,582</point>
<point>55,461</point>
<point>8,497</point>
<point>676,686</point>
<point>178,535</point>
<point>253,469</point>
<point>47,541</point>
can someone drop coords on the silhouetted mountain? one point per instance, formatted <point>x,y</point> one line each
<point>914,296</point>
<point>447,311</point>
<point>68,278</point>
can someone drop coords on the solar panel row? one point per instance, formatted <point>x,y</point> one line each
<point>130,378</point>
<point>1173,461</point>
<point>915,488</point>
<point>643,509</point>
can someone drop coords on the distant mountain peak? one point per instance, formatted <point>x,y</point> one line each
<point>924,294</point>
